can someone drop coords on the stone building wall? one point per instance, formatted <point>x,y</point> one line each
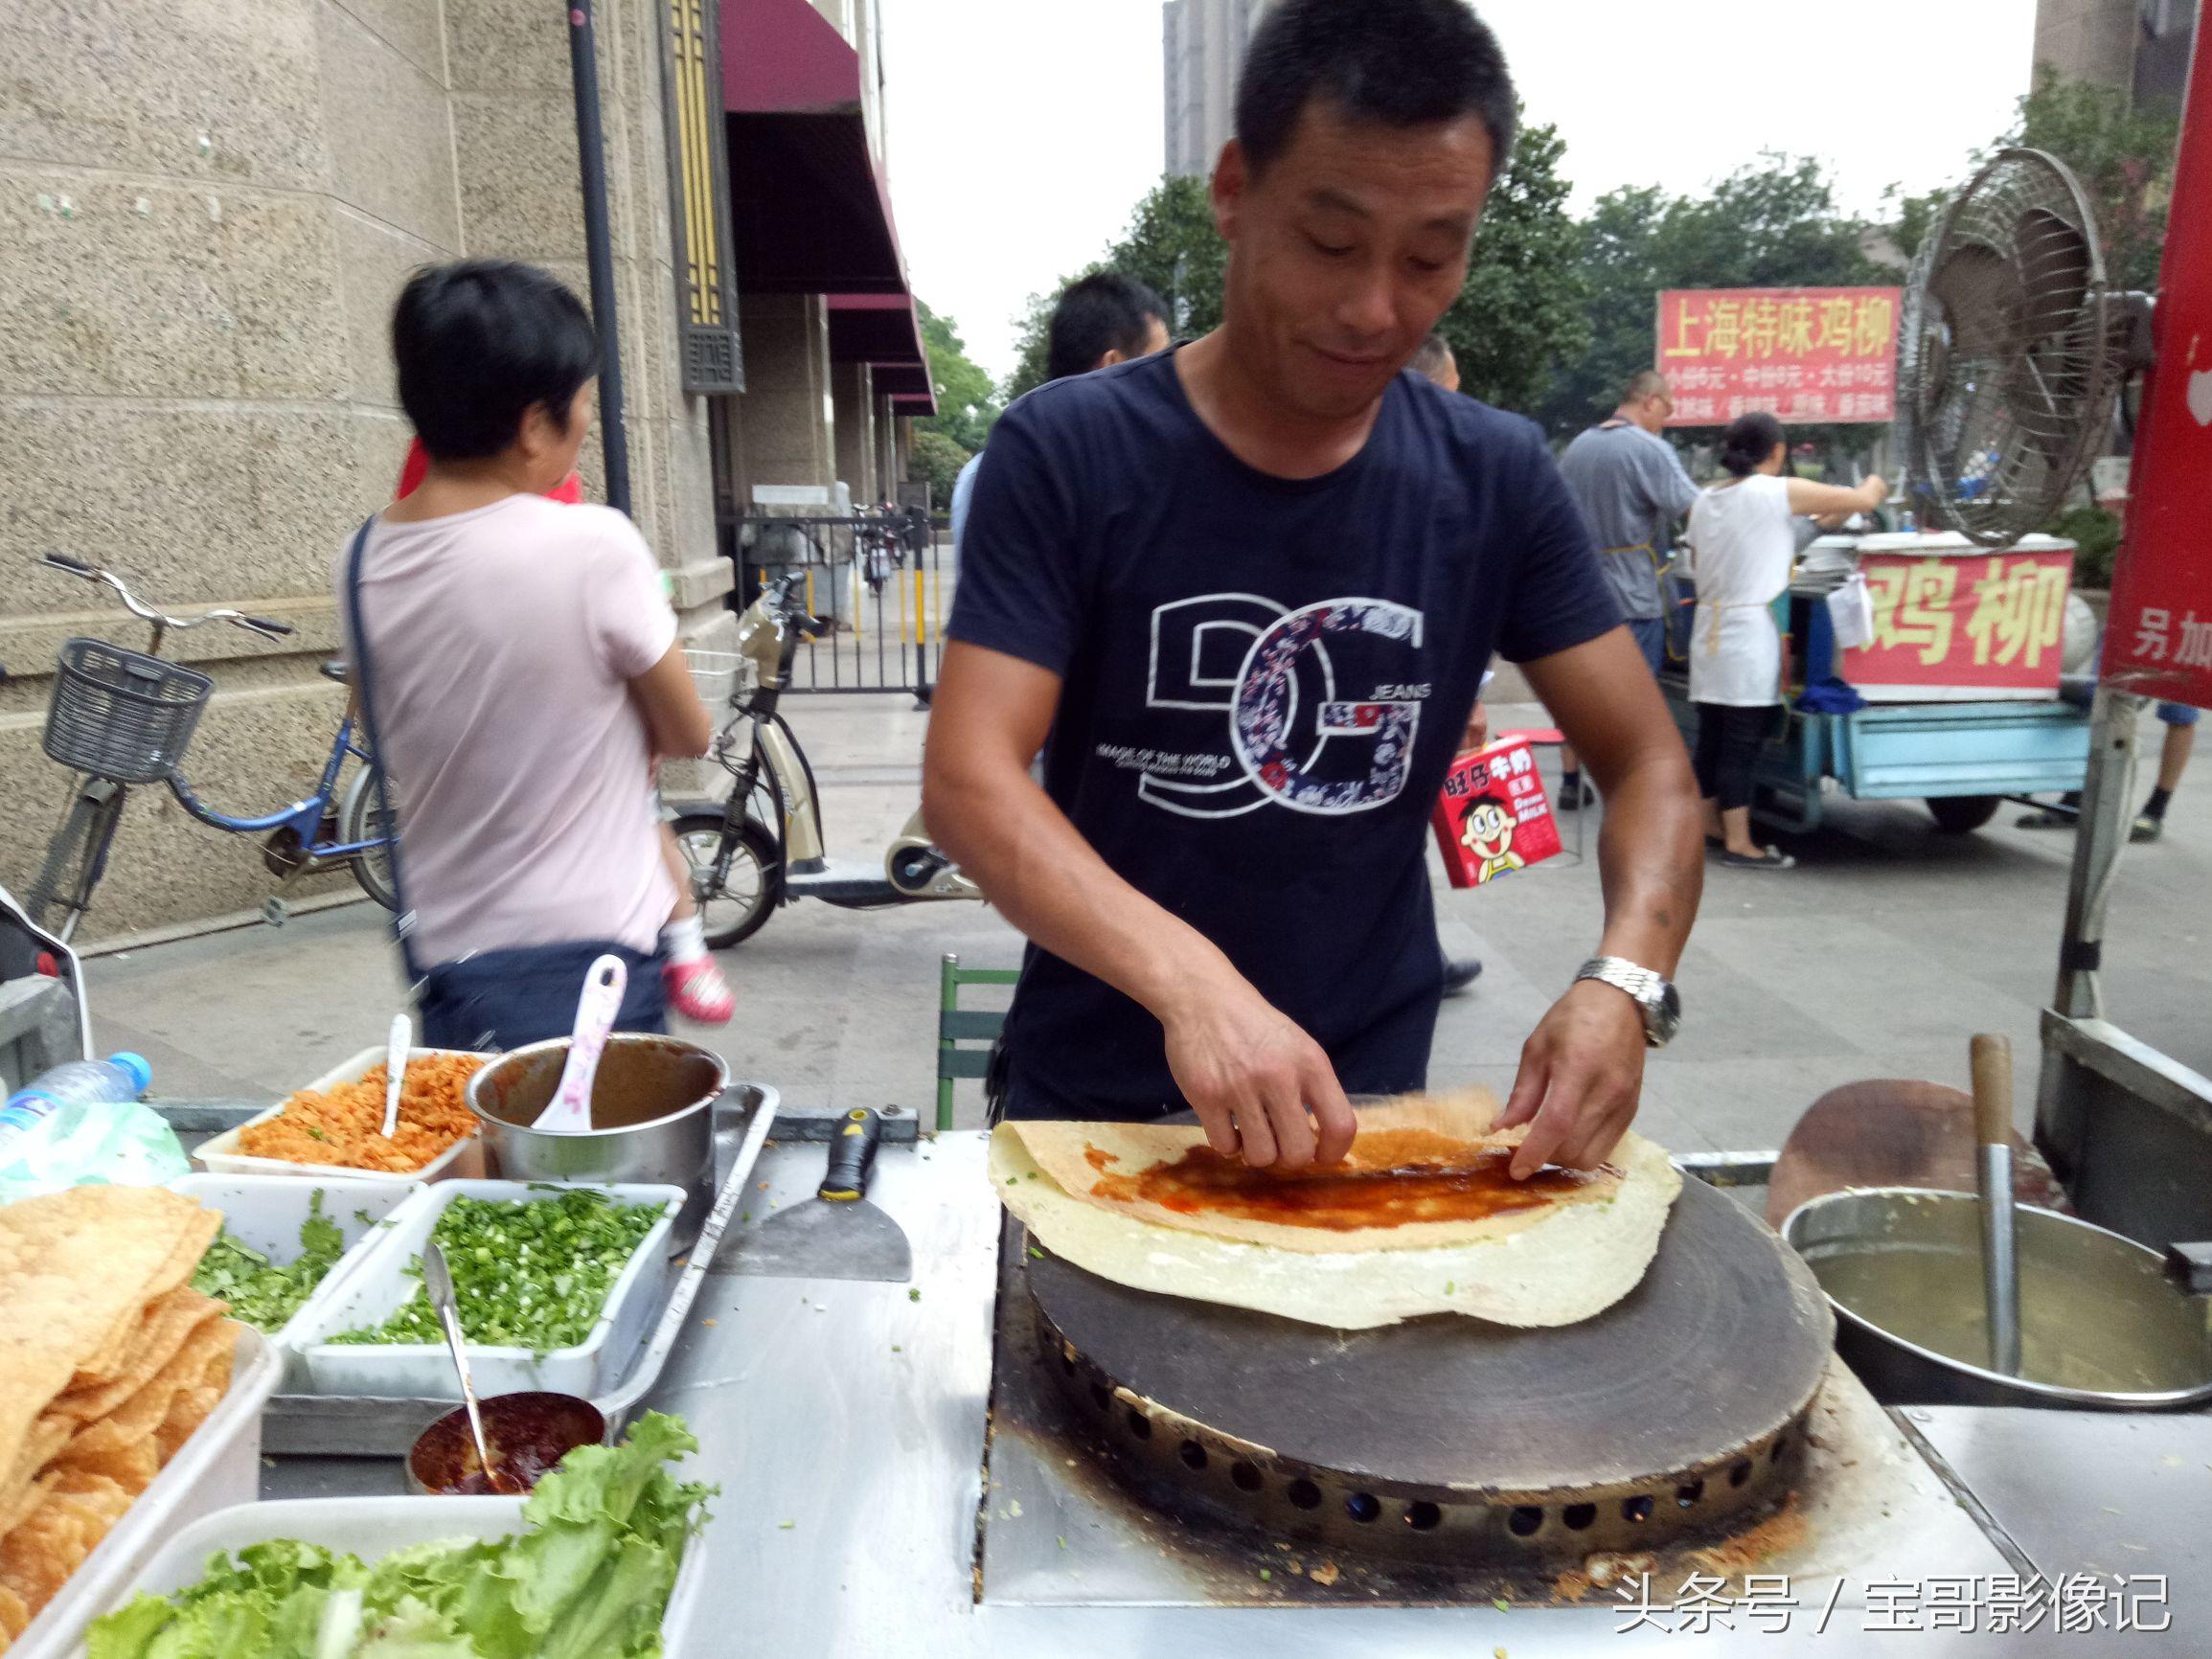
<point>206,209</point>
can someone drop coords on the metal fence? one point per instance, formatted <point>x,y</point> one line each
<point>880,579</point>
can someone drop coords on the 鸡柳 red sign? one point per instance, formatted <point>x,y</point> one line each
<point>1984,626</point>
<point>1827,355</point>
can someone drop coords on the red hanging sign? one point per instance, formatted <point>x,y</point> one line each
<point>2158,637</point>
<point>1826,355</point>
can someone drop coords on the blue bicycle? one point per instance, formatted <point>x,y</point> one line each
<point>121,717</point>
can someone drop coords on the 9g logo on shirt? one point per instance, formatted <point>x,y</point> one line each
<point>1284,702</point>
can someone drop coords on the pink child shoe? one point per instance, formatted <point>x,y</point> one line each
<point>699,992</point>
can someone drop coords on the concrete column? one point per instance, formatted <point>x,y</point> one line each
<point>786,411</point>
<point>887,446</point>
<point>852,392</point>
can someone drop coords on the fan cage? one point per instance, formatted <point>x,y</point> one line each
<point>2005,363</point>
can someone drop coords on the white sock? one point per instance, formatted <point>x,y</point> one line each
<point>685,940</point>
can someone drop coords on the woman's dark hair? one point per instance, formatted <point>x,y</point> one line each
<point>481,343</point>
<point>1749,440</point>
<point>1105,311</point>
<point>1397,62</point>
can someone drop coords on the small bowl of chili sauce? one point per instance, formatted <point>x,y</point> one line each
<point>528,1434</point>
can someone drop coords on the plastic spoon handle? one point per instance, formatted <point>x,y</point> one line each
<point>437,1285</point>
<point>595,1015</point>
<point>403,1039</point>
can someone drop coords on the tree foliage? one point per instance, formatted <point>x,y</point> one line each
<point>1521,321</point>
<point>1171,245</point>
<point>1771,224</point>
<point>2124,158</point>
<point>939,459</point>
<point>966,401</point>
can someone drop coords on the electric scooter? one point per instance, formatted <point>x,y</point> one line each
<point>764,845</point>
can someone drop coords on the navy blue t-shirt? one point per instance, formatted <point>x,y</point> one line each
<point>1264,683</point>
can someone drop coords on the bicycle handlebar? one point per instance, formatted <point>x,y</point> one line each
<point>146,613</point>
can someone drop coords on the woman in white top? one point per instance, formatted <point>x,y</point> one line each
<point>1741,546</point>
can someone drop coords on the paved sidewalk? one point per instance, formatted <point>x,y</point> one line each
<point>1879,956</point>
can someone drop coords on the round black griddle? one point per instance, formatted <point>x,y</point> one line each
<point>1675,1408</point>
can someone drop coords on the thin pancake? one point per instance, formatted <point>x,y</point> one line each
<point>1553,1264</point>
<point>1424,1172</point>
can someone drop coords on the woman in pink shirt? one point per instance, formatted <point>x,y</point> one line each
<point>521,672</point>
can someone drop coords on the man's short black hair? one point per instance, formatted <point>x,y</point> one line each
<point>481,343</point>
<point>1105,311</point>
<point>1397,62</point>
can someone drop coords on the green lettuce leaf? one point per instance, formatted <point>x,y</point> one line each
<point>588,1578</point>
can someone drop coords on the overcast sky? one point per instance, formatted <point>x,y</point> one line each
<point>1023,131</point>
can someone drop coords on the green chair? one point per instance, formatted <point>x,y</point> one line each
<point>956,1026</point>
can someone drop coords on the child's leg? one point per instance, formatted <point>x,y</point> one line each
<point>696,987</point>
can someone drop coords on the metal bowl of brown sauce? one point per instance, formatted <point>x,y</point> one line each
<point>528,1434</point>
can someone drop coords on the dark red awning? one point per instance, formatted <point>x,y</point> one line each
<point>884,330</point>
<point>812,214</point>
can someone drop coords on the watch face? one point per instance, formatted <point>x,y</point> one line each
<point>1666,1018</point>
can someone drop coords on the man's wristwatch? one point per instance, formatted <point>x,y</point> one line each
<point>1660,1003</point>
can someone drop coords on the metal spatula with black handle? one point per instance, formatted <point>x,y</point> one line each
<point>836,1233</point>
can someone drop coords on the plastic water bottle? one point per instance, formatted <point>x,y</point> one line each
<point>81,1123</point>
<point>115,1080</point>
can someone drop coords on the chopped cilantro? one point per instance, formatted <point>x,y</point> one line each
<point>260,1292</point>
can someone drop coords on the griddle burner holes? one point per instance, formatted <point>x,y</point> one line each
<point>1636,1510</point>
<point>1686,1495</point>
<point>1244,1477</point>
<point>1303,1494</point>
<point>1740,1472</point>
<point>1524,1520</point>
<point>1362,1507</point>
<point>1580,1517</point>
<point>1423,1516</point>
<point>1193,1454</point>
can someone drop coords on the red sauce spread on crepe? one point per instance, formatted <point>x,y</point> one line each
<point>1393,1178</point>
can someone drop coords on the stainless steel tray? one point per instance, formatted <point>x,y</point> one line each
<point>349,1426</point>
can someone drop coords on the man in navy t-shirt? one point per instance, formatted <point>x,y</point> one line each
<point>1248,588</point>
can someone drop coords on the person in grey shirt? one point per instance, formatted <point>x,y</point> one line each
<point>1631,486</point>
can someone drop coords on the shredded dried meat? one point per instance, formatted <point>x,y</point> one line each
<point>343,1125</point>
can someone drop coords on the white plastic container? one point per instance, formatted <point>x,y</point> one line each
<point>424,1371</point>
<point>265,1213</point>
<point>220,1156</point>
<point>369,1527</point>
<point>218,1467</point>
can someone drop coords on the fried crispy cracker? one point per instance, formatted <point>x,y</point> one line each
<point>77,1269</point>
<point>37,1556</point>
<point>15,1616</point>
<point>170,1324</point>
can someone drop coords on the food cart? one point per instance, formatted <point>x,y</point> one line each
<point>1960,699</point>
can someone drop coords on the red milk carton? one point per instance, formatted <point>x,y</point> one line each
<point>1493,817</point>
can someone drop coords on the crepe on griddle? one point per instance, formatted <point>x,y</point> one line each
<point>1150,1207</point>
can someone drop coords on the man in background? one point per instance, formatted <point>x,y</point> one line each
<point>1631,486</point>
<point>1102,319</point>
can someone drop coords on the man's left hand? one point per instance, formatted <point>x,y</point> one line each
<point>1581,1072</point>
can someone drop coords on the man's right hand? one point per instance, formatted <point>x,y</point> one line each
<point>1261,1086</point>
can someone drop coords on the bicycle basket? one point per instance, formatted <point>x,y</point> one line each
<point>718,675</point>
<point>120,714</point>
